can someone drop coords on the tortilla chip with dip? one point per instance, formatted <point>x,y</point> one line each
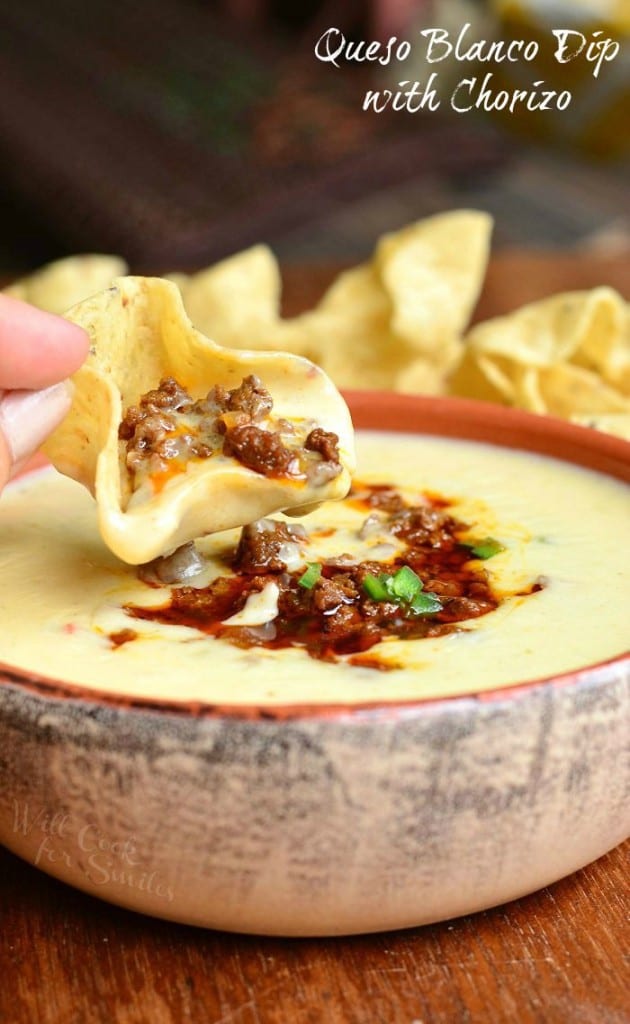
<point>176,436</point>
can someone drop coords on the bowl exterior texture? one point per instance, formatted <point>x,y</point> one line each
<point>318,825</point>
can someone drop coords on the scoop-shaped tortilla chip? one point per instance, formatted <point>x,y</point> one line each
<point>349,332</point>
<point>421,377</point>
<point>617,423</point>
<point>589,325</point>
<point>59,285</point>
<point>140,333</point>
<point>568,390</point>
<point>605,344</point>
<point>397,321</point>
<point>433,271</point>
<point>411,301</point>
<point>236,301</point>
<point>566,355</point>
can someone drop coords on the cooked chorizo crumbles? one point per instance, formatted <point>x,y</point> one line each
<point>413,571</point>
<point>168,429</point>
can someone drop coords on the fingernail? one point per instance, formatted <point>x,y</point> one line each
<point>28,417</point>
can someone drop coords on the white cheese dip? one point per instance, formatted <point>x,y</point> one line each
<point>62,591</point>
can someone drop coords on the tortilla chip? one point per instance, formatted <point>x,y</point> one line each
<point>486,378</point>
<point>411,301</point>
<point>605,346</point>
<point>566,355</point>
<point>617,424</point>
<point>396,322</point>
<point>349,332</point>
<point>421,377</point>
<point>140,333</point>
<point>60,285</point>
<point>236,301</point>
<point>180,279</point>
<point>433,272</point>
<point>571,390</point>
<point>554,330</point>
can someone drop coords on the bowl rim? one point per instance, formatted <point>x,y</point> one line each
<point>449,417</point>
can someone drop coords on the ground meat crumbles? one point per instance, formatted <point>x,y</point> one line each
<point>335,608</point>
<point>168,428</point>
<point>266,546</point>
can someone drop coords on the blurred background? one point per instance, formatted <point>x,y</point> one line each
<point>175,132</point>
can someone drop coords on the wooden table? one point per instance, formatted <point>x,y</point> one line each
<point>557,957</point>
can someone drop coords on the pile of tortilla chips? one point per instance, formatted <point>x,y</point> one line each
<point>60,285</point>
<point>400,321</point>
<point>568,355</point>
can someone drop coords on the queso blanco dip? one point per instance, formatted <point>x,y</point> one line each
<point>561,576</point>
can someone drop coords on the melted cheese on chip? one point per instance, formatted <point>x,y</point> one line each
<point>140,333</point>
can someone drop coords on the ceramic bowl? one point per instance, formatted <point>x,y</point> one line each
<point>327,820</point>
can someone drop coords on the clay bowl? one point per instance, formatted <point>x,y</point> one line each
<point>327,820</point>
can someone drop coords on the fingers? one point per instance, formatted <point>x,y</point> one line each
<point>37,349</point>
<point>37,352</point>
<point>26,420</point>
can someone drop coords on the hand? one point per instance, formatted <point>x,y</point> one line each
<point>38,351</point>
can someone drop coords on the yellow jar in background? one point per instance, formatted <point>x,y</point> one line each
<point>597,119</point>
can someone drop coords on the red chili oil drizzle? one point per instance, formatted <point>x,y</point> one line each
<point>433,547</point>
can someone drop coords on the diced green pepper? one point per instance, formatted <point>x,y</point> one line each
<point>405,584</point>
<point>404,587</point>
<point>311,576</point>
<point>425,604</point>
<point>376,588</point>
<point>486,548</point>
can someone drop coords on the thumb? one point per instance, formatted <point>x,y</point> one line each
<point>26,420</point>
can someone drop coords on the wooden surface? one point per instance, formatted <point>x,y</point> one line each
<point>559,956</point>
